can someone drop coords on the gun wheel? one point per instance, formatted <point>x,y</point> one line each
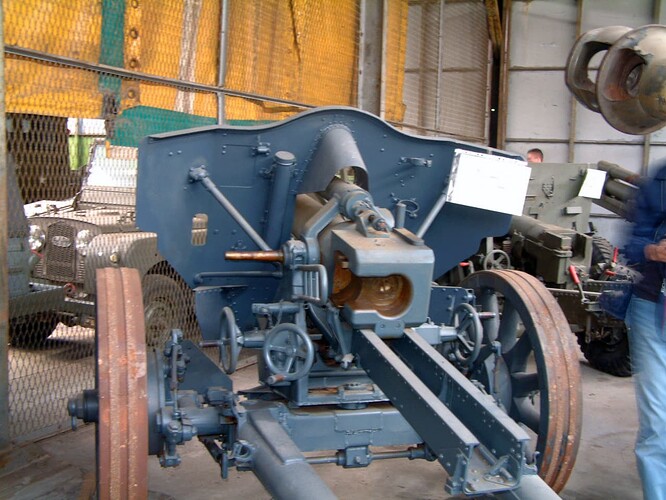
<point>537,376</point>
<point>122,428</point>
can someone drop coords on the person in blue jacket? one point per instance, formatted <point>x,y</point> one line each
<point>646,322</point>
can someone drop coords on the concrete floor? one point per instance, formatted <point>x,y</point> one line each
<point>62,467</point>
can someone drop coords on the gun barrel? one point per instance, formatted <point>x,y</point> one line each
<point>614,205</point>
<point>620,190</point>
<point>615,171</point>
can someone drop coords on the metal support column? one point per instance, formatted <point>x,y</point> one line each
<point>440,66</point>
<point>222,70</point>
<point>573,105</point>
<point>4,283</point>
<point>370,56</point>
<point>382,79</point>
<point>505,63</point>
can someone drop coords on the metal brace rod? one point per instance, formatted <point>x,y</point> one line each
<point>200,174</point>
<point>37,55</point>
<point>434,211</point>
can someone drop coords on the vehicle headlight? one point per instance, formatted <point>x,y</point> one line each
<point>37,238</point>
<point>83,239</point>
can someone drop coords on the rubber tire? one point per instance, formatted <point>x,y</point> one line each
<point>165,308</point>
<point>602,253</point>
<point>602,250</point>
<point>32,331</point>
<point>612,359</point>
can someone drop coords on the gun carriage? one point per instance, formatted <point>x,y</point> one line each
<point>316,242</point>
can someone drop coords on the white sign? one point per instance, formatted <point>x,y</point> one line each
<point>489,182</point>
<point>593,185</point>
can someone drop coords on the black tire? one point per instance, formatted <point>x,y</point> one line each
<point>32,331</point>
<point>625,273</point>
<point>602,250</point>
<point>608,356</point>
<point>165,307</point>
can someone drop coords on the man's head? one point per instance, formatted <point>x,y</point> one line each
<point>535,155</point>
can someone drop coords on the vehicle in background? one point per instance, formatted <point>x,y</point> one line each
<point>69,240</point>
<point>555,241</point>
<point>30,304</point>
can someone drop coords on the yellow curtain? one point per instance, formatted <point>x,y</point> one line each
<point>296,50</point>
<point>174,39</point>
<point>69,28</point>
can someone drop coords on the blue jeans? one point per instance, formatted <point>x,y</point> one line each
<point>647,338</point>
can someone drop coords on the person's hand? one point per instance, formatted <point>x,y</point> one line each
<point>656,251</point>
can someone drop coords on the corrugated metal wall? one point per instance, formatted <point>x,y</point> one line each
<point>541,112</point>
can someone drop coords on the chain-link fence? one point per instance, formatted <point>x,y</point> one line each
<point>447,69</point>
<point>86,81</point>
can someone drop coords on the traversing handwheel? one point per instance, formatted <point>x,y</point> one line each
<point>229,348</point>
<point>535,374</point>
<point>496,259</point>
<point>288,352</point>
<point>469,332</point>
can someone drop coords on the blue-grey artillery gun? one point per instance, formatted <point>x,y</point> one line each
<point>316,241</point>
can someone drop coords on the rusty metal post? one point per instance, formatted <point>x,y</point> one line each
<point>505,63</point>
<point>4,283</point>
<point>573,106</point>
